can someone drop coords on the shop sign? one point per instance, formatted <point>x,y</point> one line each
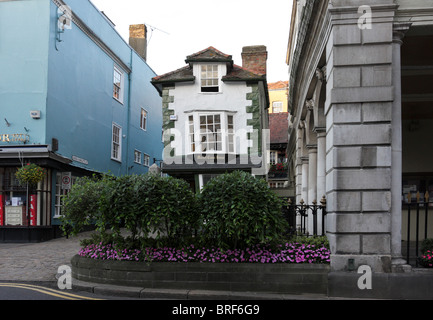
<point>2,212</point>
<point>33,212</point>
<point>16,137</point>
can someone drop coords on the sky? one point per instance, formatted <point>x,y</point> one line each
<point>179,28</point>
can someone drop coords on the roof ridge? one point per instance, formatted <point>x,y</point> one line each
<point>210,48</point>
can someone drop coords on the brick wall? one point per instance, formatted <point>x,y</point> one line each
<point>254,58</point>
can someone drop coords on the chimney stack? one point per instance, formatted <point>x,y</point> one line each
<point>254,58</point>
<point>138,39</point>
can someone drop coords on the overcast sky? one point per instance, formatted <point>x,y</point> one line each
<point>178,28</point>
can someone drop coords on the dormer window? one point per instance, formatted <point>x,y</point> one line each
<point>209,78</point>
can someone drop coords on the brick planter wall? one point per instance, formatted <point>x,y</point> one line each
<point>275,278</point>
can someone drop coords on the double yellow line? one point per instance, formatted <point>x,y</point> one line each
<point>47,291</point>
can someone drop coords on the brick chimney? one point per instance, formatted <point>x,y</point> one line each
<point>254,58</point>
<point>138,39</point>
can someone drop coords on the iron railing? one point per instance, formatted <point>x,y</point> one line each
<point>414,211</point>
<point>297,217</point>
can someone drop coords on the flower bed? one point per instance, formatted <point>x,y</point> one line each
<point>426,260</point>
<point>287,253</point>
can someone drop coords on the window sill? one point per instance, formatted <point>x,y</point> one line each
<point>120,101</point>
<point>210,93</point>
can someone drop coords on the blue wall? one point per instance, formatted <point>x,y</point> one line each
<point>71,83</point>
<point>24,28</point>
<point>80,103</point>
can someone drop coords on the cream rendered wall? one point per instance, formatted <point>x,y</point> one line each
<point>278,95</point>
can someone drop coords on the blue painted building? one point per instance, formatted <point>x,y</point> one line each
<point>76,99</point>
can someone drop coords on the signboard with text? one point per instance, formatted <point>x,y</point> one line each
<point>33,210</point>
<point>2,211</point>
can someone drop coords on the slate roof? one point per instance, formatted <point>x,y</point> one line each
<point>279,127</point>
<point>210,54</point>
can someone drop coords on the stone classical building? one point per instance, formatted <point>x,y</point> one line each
<point>360,98</point>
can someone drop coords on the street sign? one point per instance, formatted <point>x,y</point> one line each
<point>66,180</point>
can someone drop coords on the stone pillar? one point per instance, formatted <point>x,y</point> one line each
<point>312,182</point>
<point>305,171</point>
<point>358,109</point>
<point>298,165</point>
<point>321,171</point>
<point>398,263</point>
<point>321,164</point>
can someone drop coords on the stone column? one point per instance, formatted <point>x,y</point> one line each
<point>321,171</point>
<point>312,182</point>
<point>321,165</point>
<point>397,149</point>
<point>305,171</point>
<point>358,109</point>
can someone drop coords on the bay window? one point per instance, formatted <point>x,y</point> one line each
<point>211,133</point>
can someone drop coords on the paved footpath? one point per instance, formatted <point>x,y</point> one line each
<point>37,261</point>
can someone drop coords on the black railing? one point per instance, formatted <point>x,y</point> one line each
<point>294,211</point>
<point>414,212</point>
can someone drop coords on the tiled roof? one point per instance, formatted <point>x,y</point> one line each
<point>279,127</point>
<point>210,54</point>
<point>238,73</point>
<point>182,74</point>
<point>278,85</point>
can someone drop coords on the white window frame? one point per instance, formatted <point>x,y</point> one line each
<point>196,133</point>
<point>144,115</point>
<point>116,144</point>
<point>119,75</point>
<point>210,78</point>
<point>146,160</point>
<point>273,157</point>
<point>137,156</point>
<point>60,193</point>
<point>277,105</point>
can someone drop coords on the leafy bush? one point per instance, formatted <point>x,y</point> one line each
<point>81,206</point>
<point>145,205</point>
<point>166,208</point>
<point>240,211</point>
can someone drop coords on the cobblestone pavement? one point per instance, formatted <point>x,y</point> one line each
<point>37,261</point>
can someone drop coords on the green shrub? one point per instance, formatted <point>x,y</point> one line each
<point>81,205</point>
<point>240,210</point>
<point>145,205</point>
<point>164,207</point>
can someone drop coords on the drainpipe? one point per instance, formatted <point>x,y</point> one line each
<point>128,114</point>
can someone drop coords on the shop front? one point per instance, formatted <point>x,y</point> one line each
<point>31,212</point>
